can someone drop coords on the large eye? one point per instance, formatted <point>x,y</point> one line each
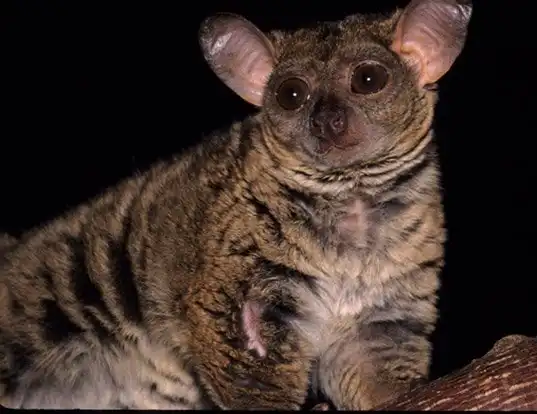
<point>369,78</point>
<point>292,94</point>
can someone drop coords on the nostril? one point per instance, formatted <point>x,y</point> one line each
<point>337,123</point>
<point>317,126</point>
<point>316,122</point>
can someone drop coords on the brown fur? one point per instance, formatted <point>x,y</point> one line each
<point>135,299</point>
<point>6,241</point>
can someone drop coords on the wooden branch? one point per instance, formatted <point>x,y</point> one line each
<point>505,378</point>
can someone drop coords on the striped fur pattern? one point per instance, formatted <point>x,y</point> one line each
<point>237,271</point>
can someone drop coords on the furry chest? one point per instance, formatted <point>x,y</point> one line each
<point>339,299</point>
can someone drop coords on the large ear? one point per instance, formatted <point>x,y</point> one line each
<point>239,53</point>
<point>430,34</point>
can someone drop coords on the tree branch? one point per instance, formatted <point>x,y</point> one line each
<point>505,378</point>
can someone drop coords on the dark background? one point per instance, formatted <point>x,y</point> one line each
<point>92,91</point>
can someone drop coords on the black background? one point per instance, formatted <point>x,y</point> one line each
<point>92,91</point>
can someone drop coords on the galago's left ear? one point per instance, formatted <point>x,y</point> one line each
<point>430,34</point>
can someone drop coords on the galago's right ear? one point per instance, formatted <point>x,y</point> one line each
<point>239,53</point>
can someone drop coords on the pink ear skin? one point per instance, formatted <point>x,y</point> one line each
<point>251,319</point>
<point>430,34</point>
<point>239,53</point>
